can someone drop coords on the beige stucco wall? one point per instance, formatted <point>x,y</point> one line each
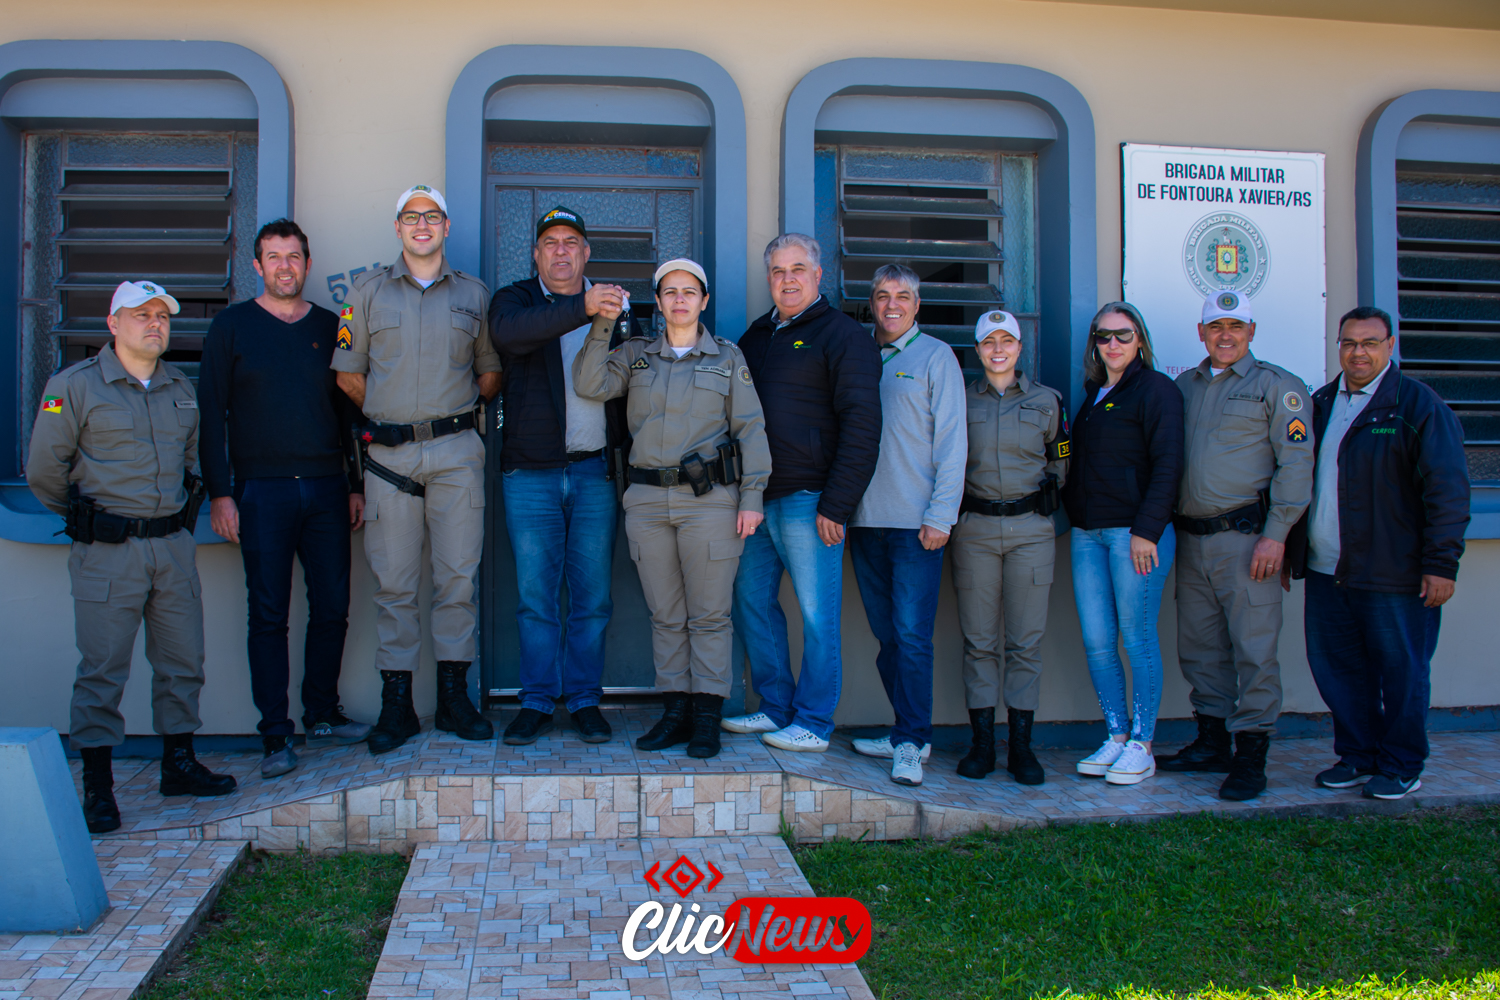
<point>370,84</point>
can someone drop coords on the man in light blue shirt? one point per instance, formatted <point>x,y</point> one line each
<point>897,535</point>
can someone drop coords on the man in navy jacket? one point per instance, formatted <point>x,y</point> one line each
<point>817,373</point>
<point>1379,548</point>
<point>559,502</point>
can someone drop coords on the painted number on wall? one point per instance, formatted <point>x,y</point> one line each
<point>339,288</point>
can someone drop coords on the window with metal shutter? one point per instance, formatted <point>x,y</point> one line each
<point>1448,260</point>
<point>99,208</point>
<point>964,220</point>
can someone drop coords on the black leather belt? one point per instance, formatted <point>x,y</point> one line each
<point>1247,521</point>
<point>391,435</point>
<point>677,477</point>
<point>109,527</point>
<point>1001,508</point>
<point>583,456</point>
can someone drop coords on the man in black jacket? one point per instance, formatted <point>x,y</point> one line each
<point>818,376</point>
<point>272,410</point>
<point>559,501</point>
<point>1379,548</point>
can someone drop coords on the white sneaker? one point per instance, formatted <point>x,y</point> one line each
<point>796,739</point>
<point>1134,766</point>
<point>906,765</point>
<point>759,722</point>
<point>882,748</point>
<point>1099,761</point>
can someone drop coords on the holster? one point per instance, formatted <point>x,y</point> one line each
<point>729,461</point>
<point>1051,501</point>
<point>695,471</point>
<point>197,492</point>
<point>78,523</point>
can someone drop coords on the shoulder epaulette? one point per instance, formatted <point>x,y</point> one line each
<point>80,366</point>
<point>364,278</point>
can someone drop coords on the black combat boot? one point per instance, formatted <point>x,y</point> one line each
<point>980,759</point>
<point>99,809</point>
<point>1019,760</point>
<point>181,774</point>
<point>675,725</point>
<point>708,711</point>
<point>455,712</point>
<point>1209,752</point>
<point>398,720</point>
<point>1247,772</point>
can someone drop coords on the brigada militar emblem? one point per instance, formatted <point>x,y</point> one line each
<point>1226,252</point>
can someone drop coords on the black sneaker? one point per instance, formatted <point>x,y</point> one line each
<point>529,726</point>
<point>1344,775</point>
<point>589,723</point>
<point>1388,786</point>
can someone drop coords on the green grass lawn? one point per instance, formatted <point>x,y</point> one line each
<point>291,925</point>
<point>1365,908</point>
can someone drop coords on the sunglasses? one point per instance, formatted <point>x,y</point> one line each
<point>1122,336</point>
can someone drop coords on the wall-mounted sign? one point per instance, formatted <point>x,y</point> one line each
<point>1199,221</point>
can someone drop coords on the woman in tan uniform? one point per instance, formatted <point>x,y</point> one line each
<point>699,463</point>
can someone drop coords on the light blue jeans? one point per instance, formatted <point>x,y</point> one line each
<point>788,542</point>
<point>1115,604</point>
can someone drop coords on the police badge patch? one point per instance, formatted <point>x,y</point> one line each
<point>1292,401</point>
<point>1296,431</point>
<point>744,374</point>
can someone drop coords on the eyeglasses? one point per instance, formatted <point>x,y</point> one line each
<point>1362,345</point>
<point>412,218</point>
<point>1122,336</point>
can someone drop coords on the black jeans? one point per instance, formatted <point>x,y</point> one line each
<point>308,518</point>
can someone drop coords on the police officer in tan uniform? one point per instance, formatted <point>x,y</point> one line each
<point>698,466</point>
<point>115,451</point>
<point>414,354</point>
<point>1247,478</point>
<point>1005,543</point>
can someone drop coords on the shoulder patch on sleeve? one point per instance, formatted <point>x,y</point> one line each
<point>744,375</point>
<point>1292,401</point>
<point>346,339</point>
<point>346,314</point>
<point>52,404</point>
<point>1296,430</point>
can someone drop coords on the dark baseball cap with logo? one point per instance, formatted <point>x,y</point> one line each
<point>561,216</point>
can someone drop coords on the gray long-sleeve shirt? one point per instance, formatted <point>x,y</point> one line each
<point>923,443</point>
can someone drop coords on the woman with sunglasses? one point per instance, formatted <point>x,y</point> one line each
<point>1120,493</point>
<point>699,463</point>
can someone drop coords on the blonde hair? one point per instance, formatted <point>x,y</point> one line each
<point>1093,365</point>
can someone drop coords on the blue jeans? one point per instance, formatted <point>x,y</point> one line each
<point>898,582</point>
<point>307,518</point>
<point>562,526</point>
<point>1371,656</point>
<point>1116,603</point>
<point>788,541</point>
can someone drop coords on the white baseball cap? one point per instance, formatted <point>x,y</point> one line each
<point>421,191</point>
<point>680,264</point>
<point>130,294</point>
<point>997,320</point>
<point>1227,304</point>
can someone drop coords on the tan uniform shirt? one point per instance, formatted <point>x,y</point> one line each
<point>1249,428</point>
<point>420,349</point>
<point>680,406</point>
<point>125,445</point>
<point>1015,441</point>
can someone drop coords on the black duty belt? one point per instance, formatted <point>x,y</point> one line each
<point>391,435</point>
<point>1001,508</point>
<point>583,456</point>
<point>678,476</point>
<point>1247,521</point>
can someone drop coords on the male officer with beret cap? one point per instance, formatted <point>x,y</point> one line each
<point>1246,480</point>
<point>413,355</point>
<point>115,451</point>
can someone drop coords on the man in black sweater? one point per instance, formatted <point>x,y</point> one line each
<point>818,376</point>
<point>265,390</point>
<point>559,502</point>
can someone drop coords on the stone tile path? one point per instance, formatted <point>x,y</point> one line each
<point>541,920</point>
<point>158,893</point>
<point>439,789</point>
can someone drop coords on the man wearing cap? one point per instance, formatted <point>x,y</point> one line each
<point>115,451</point>
<point>1247,479</point>
<point>559,500</point>
<point>412,355</point>
<point>897,535</point>
<point>1005,545</point>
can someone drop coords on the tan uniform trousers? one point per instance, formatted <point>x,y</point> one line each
<point>1227,630</point>
<point>115,588</point>
<point>451,519</point>
<point>1002,572</point>
<point>687,553</point>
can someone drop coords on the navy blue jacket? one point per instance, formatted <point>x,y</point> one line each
<point>526,328</point>
<point>1403,489</point>
<point>818,379</point>
<point>1127,455</point>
